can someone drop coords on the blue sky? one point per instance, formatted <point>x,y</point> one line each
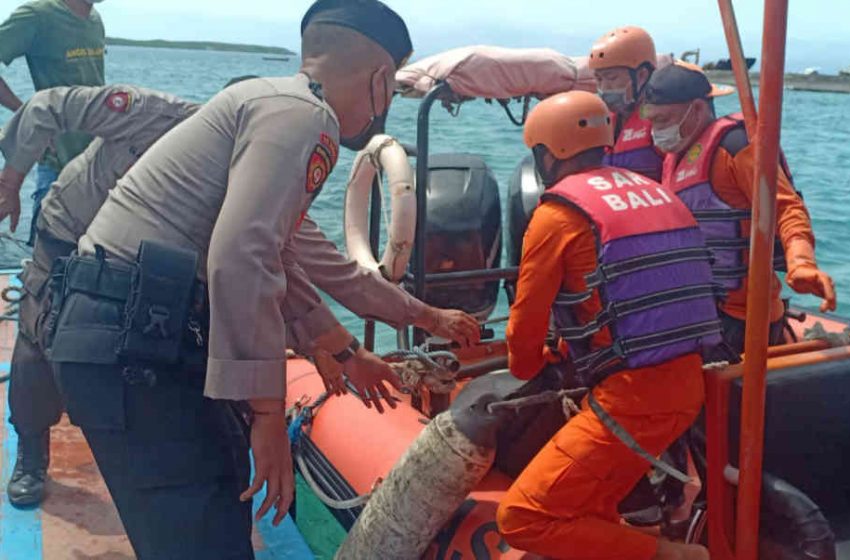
<point>817,31</point>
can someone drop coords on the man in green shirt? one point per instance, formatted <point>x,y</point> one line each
<point>63,42</point>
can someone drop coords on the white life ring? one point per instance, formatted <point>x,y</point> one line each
<point>383,153</point>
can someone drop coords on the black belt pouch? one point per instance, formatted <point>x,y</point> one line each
<point>158,310</point>
<point>88,309</point>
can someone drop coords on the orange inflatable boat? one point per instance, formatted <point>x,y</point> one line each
<point>348,449</point>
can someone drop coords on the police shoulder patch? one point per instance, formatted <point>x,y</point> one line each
<point>321,163</point>
<point>119,101</point>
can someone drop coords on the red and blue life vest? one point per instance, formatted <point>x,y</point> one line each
<point>653,275</point>
<point>723,226</point>
<point>634,149</point>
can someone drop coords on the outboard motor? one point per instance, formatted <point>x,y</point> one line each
<point>463,231</point>
<point>523,195</point>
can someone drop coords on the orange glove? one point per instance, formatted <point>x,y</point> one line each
<point>804,277</point>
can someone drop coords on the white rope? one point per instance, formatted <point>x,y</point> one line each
<point>834,339</point>
<point>436,371</point>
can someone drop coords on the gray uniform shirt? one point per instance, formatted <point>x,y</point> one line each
<point>232,182</point>
<point>127,120</point>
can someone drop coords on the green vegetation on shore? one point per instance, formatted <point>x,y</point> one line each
<point>199,46</point>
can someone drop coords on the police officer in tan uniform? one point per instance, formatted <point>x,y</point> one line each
<point>127,120</point>
<point>218,199</point>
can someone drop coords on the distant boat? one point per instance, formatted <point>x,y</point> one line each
<point>280,58</point>
<point>726,64</point>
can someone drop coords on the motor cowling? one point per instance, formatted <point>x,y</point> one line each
<point>463,230</point>
<point>523,196</point>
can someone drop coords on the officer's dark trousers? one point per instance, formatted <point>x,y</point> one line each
<point>174,461</point>
<point>34,401</point>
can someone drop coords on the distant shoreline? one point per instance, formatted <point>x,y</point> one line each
<point>199,46</point>
<point>816,82</point>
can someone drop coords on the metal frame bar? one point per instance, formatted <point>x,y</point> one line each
<point>739,66</point>
<point>374,244</point>
<point>720,501</point>
<point>760,275</point>
<point>422,154</point>
<point>420,280</point>
<point>443,279</point>
<point>724,522</point>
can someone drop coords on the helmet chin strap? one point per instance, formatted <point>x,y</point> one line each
<point>637,91</point>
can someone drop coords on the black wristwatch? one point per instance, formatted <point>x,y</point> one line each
<point>348,352</point>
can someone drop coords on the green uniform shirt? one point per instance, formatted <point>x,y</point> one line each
<point>61,49</point>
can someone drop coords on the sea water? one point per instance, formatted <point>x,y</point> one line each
<point>815,136</point>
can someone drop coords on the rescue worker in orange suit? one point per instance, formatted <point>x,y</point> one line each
<point>710,165</point>
<point>604,254</point>
<point>622,61</point>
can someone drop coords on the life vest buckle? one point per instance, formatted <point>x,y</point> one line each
<point>618,348</point>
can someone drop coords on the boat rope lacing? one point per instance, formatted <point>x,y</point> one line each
<point>834,339</point>
<point>300,424</point>
<point>437,371</point>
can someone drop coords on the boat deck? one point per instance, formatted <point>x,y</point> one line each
<point>78,520</point>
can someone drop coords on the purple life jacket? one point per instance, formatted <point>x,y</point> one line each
<point>634,150</point>
<point>726,229</point>
<point>653,275</point>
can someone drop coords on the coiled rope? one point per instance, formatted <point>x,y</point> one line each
<point>436,371</point>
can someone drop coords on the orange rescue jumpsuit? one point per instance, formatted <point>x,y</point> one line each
<point>564,504</point>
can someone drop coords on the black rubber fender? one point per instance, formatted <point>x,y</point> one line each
<point>792,525</point>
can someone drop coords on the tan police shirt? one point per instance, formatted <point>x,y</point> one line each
<point>126,120</point>
<point>232,182</point>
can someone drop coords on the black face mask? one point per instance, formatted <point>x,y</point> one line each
<point>376,125</point>
<point>548,177</point>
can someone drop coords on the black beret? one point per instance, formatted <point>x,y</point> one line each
<point>371,18</point>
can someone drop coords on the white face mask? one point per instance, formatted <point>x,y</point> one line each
<point>669,138</point>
